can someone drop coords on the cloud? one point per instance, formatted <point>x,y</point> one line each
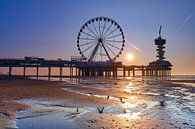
<point>135,47</point>
<point>186,19</point>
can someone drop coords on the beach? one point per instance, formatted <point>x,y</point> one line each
<point>99,103</point>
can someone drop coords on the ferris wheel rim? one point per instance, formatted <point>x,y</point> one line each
<point>107,40</point>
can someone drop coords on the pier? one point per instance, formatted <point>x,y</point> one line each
<point>98,48</point>
<point>80,69</point>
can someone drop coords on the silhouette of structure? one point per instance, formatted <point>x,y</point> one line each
<point>160,67</point>
<point>101,37</point>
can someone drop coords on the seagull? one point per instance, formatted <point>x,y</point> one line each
<point>100,110</point>
<point>108,97</point>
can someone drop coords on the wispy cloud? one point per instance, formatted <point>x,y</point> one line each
<point>135,47</point>
<point>186,19</point>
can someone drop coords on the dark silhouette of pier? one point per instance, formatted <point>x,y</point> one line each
<point>81,69</point>
<point>104,42</point>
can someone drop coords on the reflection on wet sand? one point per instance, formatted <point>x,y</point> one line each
<point>123,103</point>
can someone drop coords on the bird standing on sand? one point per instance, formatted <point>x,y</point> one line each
<point>121,100</point>
<point>162,103</point>
<point>124,111</point>
<point>108,97</point>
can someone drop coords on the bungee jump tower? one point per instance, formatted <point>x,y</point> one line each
<point>160,67</point>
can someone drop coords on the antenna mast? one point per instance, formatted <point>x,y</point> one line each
<point>160,31</point>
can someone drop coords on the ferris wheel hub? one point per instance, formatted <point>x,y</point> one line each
<point>100,40</point>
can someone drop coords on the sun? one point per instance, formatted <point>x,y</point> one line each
<point>129,57</point>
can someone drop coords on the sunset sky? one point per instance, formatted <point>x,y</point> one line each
<point>49,28</point>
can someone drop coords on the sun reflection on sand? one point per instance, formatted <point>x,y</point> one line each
<point>133,115</point>
<point>129,87</point>
<point>128,77</point>
<point>128,105</point>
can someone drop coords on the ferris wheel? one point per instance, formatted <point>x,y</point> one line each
<point>100,39</point>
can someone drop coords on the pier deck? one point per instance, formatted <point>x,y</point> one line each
<point>79,69</point>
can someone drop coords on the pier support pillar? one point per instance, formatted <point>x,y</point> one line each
<point>106,73</point>
<point>83,72</point>
<point>37,72</point>
<point>79,72</point>
<point>163,72</point>
<point>133,72</point>
<point>129,74</point>
<point>71,71</point>
<point>155,72</point>
<point>24,71</point>
<point>10,71</point>
<point>61,68</point>
<point>49,73</point>
<point>124,72</point>
<point>143,72</point>
<point>160,72</point>
<point>115,72</point>
<point>76,70</point>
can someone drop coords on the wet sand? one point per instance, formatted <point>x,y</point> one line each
<point>127,102</point>
<point>17,88</point>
